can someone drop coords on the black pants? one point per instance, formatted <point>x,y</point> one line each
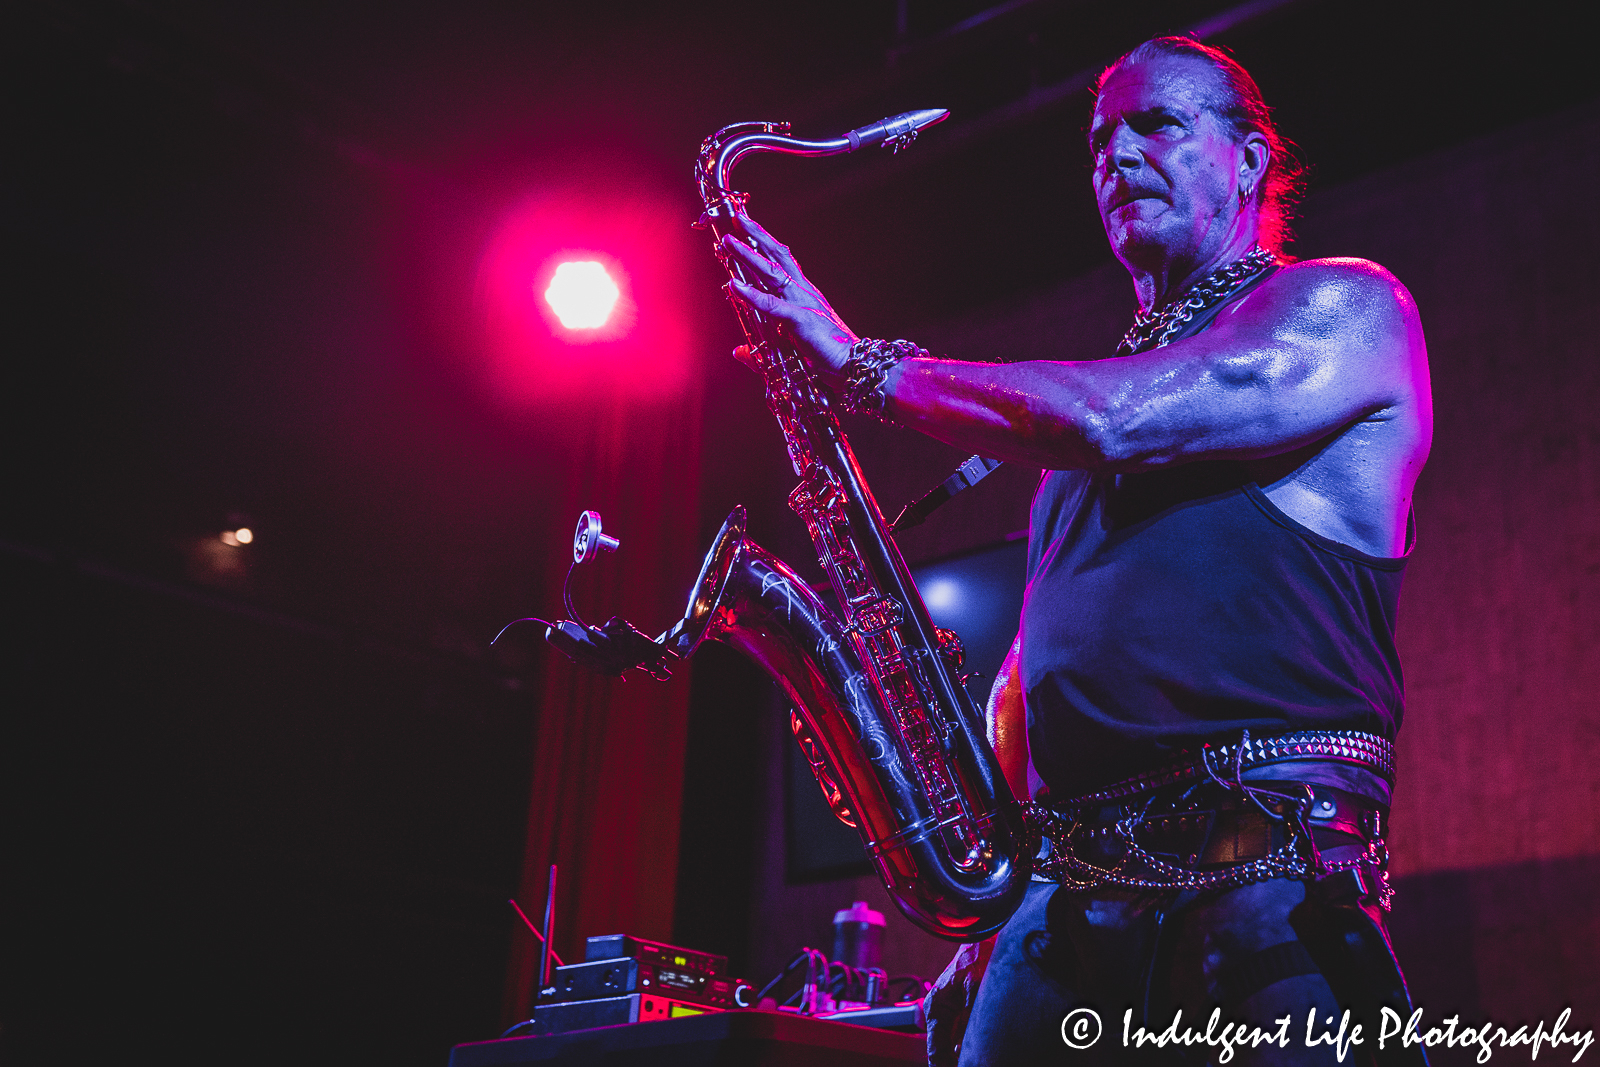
<point>1260,952</point>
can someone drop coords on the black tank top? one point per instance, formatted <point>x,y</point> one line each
<point>1172,607</point>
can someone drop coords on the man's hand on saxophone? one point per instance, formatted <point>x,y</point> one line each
<point>790,299</point>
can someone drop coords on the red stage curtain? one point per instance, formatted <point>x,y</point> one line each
<point>609,754</point>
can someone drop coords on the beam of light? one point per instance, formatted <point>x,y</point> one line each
<point>942,594</point>
<point>582,295</point>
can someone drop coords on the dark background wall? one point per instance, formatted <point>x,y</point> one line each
<point>271,800</point>
<point>231,833</point>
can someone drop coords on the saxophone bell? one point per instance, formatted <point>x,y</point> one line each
<point>958,875</point>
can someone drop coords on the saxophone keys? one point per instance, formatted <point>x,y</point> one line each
<point>876,615</point>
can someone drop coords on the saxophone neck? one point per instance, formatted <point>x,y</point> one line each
<point>723,150</point>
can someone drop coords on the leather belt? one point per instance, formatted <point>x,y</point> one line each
<point>1359,749</point>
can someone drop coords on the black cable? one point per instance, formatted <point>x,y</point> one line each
<point>913,980</point>
<point>566,595</point>
<point>814,981</point>
<point>803,955</point>
<point>836,979</point>
<point>513,622</point>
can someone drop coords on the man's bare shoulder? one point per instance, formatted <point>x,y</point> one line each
<point>1341,288</point>
<point>1346,328</point>
<point>1346,310</point>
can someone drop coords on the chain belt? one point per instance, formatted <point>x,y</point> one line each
<point>1152,803</point>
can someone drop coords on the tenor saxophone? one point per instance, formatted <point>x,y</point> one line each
<point>891,734</point>
<point>895,740</point>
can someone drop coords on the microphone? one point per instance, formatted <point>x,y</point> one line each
<point>616,646</point>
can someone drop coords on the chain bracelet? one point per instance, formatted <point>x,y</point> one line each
<point>866,374</point>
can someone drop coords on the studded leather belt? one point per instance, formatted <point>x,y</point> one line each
<point>1353,747</point>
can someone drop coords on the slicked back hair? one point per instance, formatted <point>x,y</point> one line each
<point>1238,104</point>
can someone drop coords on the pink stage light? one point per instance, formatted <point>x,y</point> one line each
<point>583,289</point>
<point>582,295</point>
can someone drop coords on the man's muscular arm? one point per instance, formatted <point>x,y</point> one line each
<point>1315,348</point>
<point>1320,374</point>
<point>1319,346</point>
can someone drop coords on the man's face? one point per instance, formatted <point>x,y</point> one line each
<point>1166,168</point>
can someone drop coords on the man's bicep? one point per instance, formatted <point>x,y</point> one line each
<point>1300,359</point>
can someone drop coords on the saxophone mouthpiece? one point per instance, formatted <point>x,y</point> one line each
<point>898,131</point>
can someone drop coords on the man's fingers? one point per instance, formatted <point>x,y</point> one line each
<point>753,232</point>
<point>756,298</point>
<point>762,266</point>
<point>751,227</point>
<point>779,254</point>
<point>771,246</point>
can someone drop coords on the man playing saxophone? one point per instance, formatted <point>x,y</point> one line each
<point>1205,686</point>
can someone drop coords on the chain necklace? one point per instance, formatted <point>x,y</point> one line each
<point>1152,329</point>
